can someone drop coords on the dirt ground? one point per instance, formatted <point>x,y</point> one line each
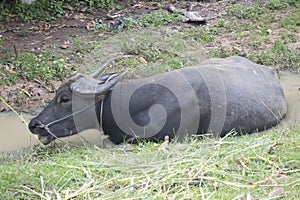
<point>77,22</point>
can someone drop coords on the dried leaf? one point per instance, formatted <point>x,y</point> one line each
<point>143,60</point>
<point>64,46</point>
<point>277,192</point>
<point>47,38</point>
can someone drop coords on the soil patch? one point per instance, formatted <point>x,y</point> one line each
<point>36,37</point>
<point>79,23</point>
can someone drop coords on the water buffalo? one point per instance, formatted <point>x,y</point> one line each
<point>217,96</point>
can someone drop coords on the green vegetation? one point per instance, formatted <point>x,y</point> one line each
<point>240,12</point>
<point>1,43</point>
<point>42,10</point>
<point>29,66</point>
<point>245,31</point>
<point>291,21</point>
<point>154,50</point>
<point>106,4</point>
<point>282,4</point>
<point>46,10</point>
<point>204,36</point>
<point>158,18</point>
<point>153,19</point>
<point>266,33</point>
<point>230,168</point>
<point>252,32</point>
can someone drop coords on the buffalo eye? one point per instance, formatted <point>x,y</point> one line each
<point>63,99</point>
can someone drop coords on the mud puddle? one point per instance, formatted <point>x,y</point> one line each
<point>291,86</point>
<point>15,135</point>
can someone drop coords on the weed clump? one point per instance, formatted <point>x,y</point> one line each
<point>29,67</point>
<point>159,18</point>
<point>47,10</point>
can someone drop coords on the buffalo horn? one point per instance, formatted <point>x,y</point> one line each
<point>106,64</point>
<point>84,85</point>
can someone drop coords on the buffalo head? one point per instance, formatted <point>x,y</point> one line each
<point>75,107</point>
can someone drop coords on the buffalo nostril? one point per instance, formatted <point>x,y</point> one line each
<point>34,123</point>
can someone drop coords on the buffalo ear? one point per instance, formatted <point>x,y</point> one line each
<point>88,86</point>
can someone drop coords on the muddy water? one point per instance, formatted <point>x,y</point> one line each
<point>14,134</point>
<point>291,86</point>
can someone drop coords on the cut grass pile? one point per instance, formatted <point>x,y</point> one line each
<point>262,166</point>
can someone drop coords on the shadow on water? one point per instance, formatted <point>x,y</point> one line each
<point>15,135</point>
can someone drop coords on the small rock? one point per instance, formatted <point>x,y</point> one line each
<point>269,31</point>
<point>249,197</point>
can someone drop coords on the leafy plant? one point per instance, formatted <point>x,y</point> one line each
<point>81,46</point>
<point>105,4</point>
<point>43,10</point>
<point>240,12</point>
<point>291,21</point>
<point>1,42</point>
<point>29,66</point>
<point>158,18</point>
<point>282,4</point>
<point>276,4</point>
<point>149,51</point>
<point>221,52</point>
<point>288,37</point>
<point>4,12</point>
<point>130,63</point>
<point>202,35</point>
<point>288,57</point>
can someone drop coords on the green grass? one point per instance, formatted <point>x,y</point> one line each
<point>291,21</point>
<point>153,19</point>
<point>279,56</point>
<point>1,42</point>
<point>106,4</point>
<point>241,12</point>
<point>246,31</point>
<point>199,169</point>
<point>268,37</point>
<point>154,50</point>
<point>158,18</point>
<point>265,33</point>
<point>230,168</point>
<point>203,36</point>
<point>29,67</point>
